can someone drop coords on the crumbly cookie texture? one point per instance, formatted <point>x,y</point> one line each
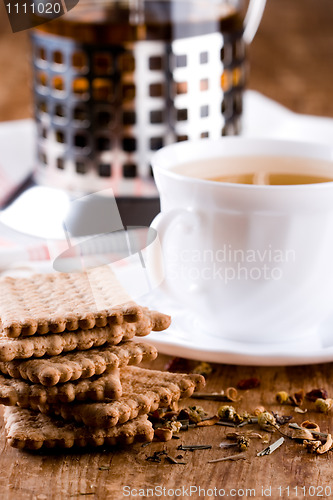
<point>79,364</point>
<point>57,302</point>
<point>143,392</point>
<point>27,395</point>
<point>54,344</point>
<point>31,430</point>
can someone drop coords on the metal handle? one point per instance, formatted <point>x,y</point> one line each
<point>252,19</point>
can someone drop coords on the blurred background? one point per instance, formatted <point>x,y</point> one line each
<point>291,60</point>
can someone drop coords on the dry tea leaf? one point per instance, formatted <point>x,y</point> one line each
<point>302,434</point>
<point>232,394</point>
<point>226,412</point>
<point>324,405</point>
<point>312,446</point>
<point>258,410</point>
<point>297,409</point>
<point>243,443</point>
<point>281,419</point>
<point>208,422</point>
<point>297,398</point>
<point>163,434</point>
<point>315,394</point>
<point>266,421</point>
<point>211,396</point>
<point>157,415</point>
<point>315,433</point>
<point>176,365</point>
<point>204,369</point>
<point>156,457</point>
<point>248,383</point>
<point>249,434</point>
<point>311,426</point>
<point>326,446</point>
<point>282,397</point>
<point>193,447</point>
<point>196,414</point>
<point>170,415</point>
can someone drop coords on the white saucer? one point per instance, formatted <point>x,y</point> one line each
<point>183,339</point>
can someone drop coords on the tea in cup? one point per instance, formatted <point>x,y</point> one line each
<point>246,230</point>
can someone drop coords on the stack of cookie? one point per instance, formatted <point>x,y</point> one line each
<point>66,362</point>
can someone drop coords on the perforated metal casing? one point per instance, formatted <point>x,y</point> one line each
<point>103,110</point>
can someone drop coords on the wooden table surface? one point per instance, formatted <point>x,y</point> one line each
<point>112,474</point>
<point>291,62</point>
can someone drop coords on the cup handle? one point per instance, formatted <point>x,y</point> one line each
<point>252,19</point>
<point>162,223</point>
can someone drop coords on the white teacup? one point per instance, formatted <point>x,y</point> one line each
<point>253,262</point>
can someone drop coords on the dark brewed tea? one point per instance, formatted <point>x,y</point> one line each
<point>119,22</point>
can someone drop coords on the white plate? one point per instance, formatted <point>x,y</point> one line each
<point>184,338</point>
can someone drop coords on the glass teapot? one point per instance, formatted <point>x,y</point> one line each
<point>115,81</point>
